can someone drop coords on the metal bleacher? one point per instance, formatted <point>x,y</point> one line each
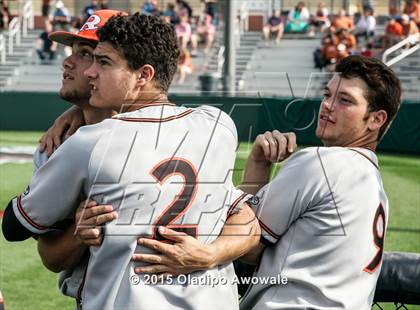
<point>17,45</point>
<point>404,59</point>
<point>282,70</point>
<point>285,69</point>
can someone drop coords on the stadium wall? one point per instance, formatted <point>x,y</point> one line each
<point>37,111</point>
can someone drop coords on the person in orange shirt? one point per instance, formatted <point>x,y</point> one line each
<point>412,9</point>
<point>185,65</point>
<point>342,21</point>
<point>346,38</point>
<point>333,51</point>
<point>393,33</point>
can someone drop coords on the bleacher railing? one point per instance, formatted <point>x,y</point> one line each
<point>406,47</point>
<point>14,33</point>
<point>2,50</point>
<point>220,59</point>
<point>27,18</point>
<point>243,17</point>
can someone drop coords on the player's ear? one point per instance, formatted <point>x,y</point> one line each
<point>144,75</point>
<point>377,119</point>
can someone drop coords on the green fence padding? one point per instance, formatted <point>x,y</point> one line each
<point>29,111</point>
<point>252,116</point>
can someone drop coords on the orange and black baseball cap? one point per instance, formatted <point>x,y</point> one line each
<point>88,30</point>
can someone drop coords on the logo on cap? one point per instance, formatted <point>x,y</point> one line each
<point>92,23</point>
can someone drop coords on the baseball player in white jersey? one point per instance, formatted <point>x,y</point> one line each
<point>62,251</point>
<point>323,218</point>
<point>143,164</point>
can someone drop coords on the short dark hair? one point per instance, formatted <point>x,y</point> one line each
<point>384,87</point>
<point>144,40</point>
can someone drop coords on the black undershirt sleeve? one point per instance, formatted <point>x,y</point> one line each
<point>12,229</point>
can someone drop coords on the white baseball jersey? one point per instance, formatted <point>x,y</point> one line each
<point>69,281</point>
<point>325,215</point>
<point>158,166</point>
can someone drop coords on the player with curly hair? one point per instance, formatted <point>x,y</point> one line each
<point>141,162</point>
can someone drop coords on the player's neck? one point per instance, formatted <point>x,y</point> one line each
<point>367,142</point>
<point>147,99</point>
<point>94,115</point>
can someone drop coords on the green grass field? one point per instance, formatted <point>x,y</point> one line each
<point>26,284</point>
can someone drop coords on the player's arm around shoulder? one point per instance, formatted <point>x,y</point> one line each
<point>36,211</point>
<point>64,126</point>
<point>239,235</point>
<point>65,250</point>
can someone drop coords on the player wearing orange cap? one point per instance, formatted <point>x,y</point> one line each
<point>63,252</point>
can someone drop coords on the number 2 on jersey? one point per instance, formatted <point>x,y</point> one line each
<point>378,239</point>
<point>161,172</point>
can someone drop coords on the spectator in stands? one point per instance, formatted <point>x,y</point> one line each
<point>75,24</point>
<point>320,21</point>
<point>332,52</point>
<point>275,26</point>
<point>183,5</point>
<point>394,8</point>
<point>206,30</point>
<point>46,8</point>
<point>103,5</point>
<point>367,5</point>
<point>298,18</point>
<point>61,17</point>
<point>342,21</point>
<point>412,9</point>
<point>409,26</point>
<point>366,25</point>
<point>185,65</point>
<point>368,50</point>
<point>183,31</point>
<point>150,7</point>
<point>329,48</point>
<point>211,8</point>
<point>393,33</point>
<point>343,36</point>
<point>170,14</point>
<point>45,48</point>
<point>90,8</point>
<point>4,14</point>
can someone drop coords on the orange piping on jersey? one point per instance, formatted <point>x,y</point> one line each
<point>27,218</point>
<point>267,229</point>
<point>365,156</point>
<point>156,104</point>
<point>154,120</point>
<point>235,203</point>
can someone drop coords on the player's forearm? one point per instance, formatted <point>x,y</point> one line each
<point>256,175</point>
<point>240,234</point>
<point>60,252</point>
